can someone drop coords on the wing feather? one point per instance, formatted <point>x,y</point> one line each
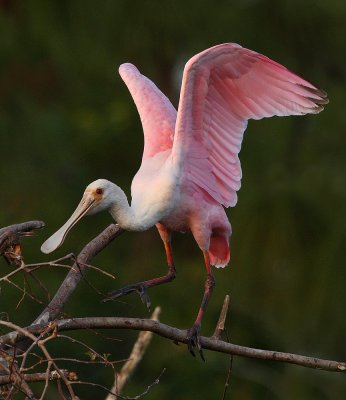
<point>157,113</point>
<point>223,87</point>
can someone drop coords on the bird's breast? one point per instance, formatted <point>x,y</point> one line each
<point>177,221</point>
<point>155,189</point>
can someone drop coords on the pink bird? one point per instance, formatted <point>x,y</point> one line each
<point>190,167</point>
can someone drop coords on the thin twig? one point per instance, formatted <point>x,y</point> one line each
<point>41,345</point>
<point>139,396</point>
<point>76,273</point>
<point>135,357</point>
<point>24,292</point>
<point>91,351</point>
<point>229,372</point>
<point>15,271</point>
<point>74,276</point>
<point>18,382</point>
<point>73,360</point>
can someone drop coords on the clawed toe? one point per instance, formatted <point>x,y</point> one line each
<point>139,288</point>
<point>115,294</point>
<point>143,293</point>
<point>194,342</point>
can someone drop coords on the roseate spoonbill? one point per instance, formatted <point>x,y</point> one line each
<point>190,168</point>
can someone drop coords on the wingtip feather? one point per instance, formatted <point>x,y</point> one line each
<point>126,69</point>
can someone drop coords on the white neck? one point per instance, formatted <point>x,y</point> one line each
<point>126,216</point>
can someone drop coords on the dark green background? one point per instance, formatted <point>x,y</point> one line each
<point>66,119</point>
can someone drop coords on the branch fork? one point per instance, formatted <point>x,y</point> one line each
<point>24,339</point>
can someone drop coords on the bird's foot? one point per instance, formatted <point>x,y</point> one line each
<point>194,342</point>
<point>140,288</point>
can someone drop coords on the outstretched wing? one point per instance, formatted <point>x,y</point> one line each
<point>157,113</point>
<point>223,87</point>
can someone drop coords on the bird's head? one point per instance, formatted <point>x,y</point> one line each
<point>98,196</point>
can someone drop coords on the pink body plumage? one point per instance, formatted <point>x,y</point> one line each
<point>223,87</point>
<point>190,168</point>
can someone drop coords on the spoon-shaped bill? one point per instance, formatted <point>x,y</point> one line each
<point>58,237</point>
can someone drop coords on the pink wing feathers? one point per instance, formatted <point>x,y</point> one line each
<point>157,114</point>
<point>223,87</point>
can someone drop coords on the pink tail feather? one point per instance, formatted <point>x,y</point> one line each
<point>219,252</point>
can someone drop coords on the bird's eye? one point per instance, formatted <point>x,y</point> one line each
<point>99,191</point>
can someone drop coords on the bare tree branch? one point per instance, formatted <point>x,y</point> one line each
<point>10,248</point>
<point>41,343</point>
<point>178,335</point>
<point>24,228</point>
<point>135,357</point>
<point>36,377</point>
<point>24,338</point>
<point>77,272</point>
<point>220,326</point>
<point>10,240</point>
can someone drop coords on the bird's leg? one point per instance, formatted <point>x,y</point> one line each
<point>141,287</point>
<point>193,339</point>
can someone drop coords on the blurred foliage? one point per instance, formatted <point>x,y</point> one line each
<point>66,119</point>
